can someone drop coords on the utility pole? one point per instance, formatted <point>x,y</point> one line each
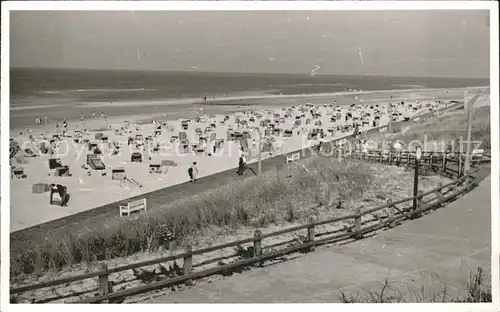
<point>470,106</point>
<point>259,168</point>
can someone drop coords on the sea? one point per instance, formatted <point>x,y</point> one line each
<point>57,93</point>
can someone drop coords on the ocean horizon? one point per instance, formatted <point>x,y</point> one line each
<point>52,92</point>
<point>122,85</point>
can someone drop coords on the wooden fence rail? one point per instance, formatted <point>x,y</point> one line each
<point>356,231</point>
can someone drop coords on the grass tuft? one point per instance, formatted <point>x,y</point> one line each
<point>477,292</point>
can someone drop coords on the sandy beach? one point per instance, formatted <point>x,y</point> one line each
<point>168,143</point>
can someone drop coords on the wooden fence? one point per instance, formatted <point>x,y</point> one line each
<point>447,163</point>
<point>260,253</point>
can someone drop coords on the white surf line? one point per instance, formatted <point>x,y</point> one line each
<point>21,108</point>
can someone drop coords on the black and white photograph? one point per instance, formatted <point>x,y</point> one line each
<point>249,155</point>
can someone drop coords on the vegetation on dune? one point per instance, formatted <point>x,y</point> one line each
<point>477,290</point>
<point>449,129</point>
<point>254,202</point>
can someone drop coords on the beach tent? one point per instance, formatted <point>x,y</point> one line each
<point>20,159</point>
<point>168,163</point>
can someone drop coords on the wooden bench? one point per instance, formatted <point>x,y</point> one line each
<point>134,206</point>
<point>477,153</point>
<point>293,157</point>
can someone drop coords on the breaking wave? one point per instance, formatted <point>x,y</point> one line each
<point>97,90</point>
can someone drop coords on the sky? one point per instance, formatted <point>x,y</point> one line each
<point>390,43</point>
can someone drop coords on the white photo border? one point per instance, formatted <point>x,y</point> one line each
<point>251,5</point>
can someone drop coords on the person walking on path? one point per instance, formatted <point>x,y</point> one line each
<point>241,165</point>
<point>193,172</point>
<point>318,147</point>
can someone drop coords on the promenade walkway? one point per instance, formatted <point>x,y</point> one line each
<point>441,247</point>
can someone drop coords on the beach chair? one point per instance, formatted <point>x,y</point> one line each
<point>154,168</point>
<point>62,171</point>
<point>95,162</point>
<point>18,172</point>
<point>118,174</point>
<point>136,157</point>
<point>59,195</point>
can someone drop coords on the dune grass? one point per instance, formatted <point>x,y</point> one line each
<point>253,202</point>
<point>477,291</point>
<point>447,129</point>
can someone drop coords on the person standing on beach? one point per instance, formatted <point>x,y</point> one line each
<point>397,148</point>
<point>93,113</point>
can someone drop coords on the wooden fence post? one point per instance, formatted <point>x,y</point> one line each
<point>459,165</point>
<point>407,159</point>
<point>257,245</point>
<point>104,281</point>
<point>443,164</point>
<point>391,212</point>
<point>357,224</point>
<point>311,233</point>
<point>440,193</point>
<point>390,157</point>
<point>455,187</point>
<point>420,203</point>
<point>188,263</point>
